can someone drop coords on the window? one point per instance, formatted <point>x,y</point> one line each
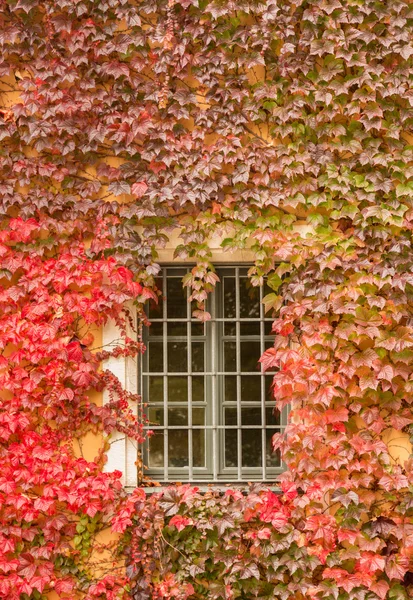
<point>208,400</point>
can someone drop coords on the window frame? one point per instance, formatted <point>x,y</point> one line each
<point>216,472</point>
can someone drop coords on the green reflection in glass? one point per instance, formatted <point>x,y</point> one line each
<point>198,393</point>
<point>177,389</point>
<point>178,416</point>
<point>155,389</point>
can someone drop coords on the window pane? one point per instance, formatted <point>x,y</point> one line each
<point>177,357</point>
<point>198,447</point>
<point>155,416</point>
<point>230,416</point>
<point>273,459</point>
<point>268,388</point>
<point>250,328</point>
<point>251,388</point>
<point>198,416</point>
<point>156,442</point>
<point>251,447</point>
<point>177,389</point>
<point>250,355</point>
<point>197,329</point>
<point>155,354</point>
<point>230,328</point>
<point>249,297</point>
<point>251,416</point>
<point>272,416</point>
<point>198,357</point>
<point>231,446</point>
<point>176,298</point>
<point>177,328</point>
<point>178,447</point>
<point>268,327</point>
<point>230,388</point>
<point>198,394</point>
<point>156,329</point>
<point>177,416</point>
<point>155,389</point>
<point>155,309</point>
<point>230,352</point>
<point>229,298</point>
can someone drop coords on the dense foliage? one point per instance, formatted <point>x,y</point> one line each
<point>283,125</point>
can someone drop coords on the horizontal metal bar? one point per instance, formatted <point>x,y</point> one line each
<point>223,427</point>
<point>213,320</point>
<point>199,373</point>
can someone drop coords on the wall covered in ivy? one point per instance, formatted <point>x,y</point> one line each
<point>281,126</point>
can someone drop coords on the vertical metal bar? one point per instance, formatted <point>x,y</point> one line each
<point>165,375</point>
<point>262,380</point>
<point>238,363</point>
<point>189,355</point>
<point>213,369</point>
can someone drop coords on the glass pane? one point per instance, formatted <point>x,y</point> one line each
<point>156,442</point>
<point>155,416</point>
<point>198,447</point>
<point>251,416</point>
<point>176,298</point>
<point>273,458</point>
<point>197,329</point>
<point>198,389</point>
<point>198,416</point>
<point>252,328</point>
<point>250,355</point>
<point>272,416</point>
<point>268,327</point>
<point>177,328</point>
<point>177,389</point>
<point>268,388</point>
<point>230,388</point>
<point>251,388</point>
<point>230,352</point>
<point>249,297</point>
<point>155,354</point>
<point>155,389</point>
<point>155,310</point>
<point>198,357</point>
<point>230,328</point>
<point>230,416</point>
<point>156,329</point>
<point>251,447</point>
<point>229,298</point>
<point>177,357</point>
<point>177,416</point>
<point>178,447</point>
<point>231,446</point>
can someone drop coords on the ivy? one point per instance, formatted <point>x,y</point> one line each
<point>281,126</point>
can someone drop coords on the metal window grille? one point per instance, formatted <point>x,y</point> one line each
<point>208,399</point>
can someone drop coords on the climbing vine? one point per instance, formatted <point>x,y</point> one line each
<point>281,126</point>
